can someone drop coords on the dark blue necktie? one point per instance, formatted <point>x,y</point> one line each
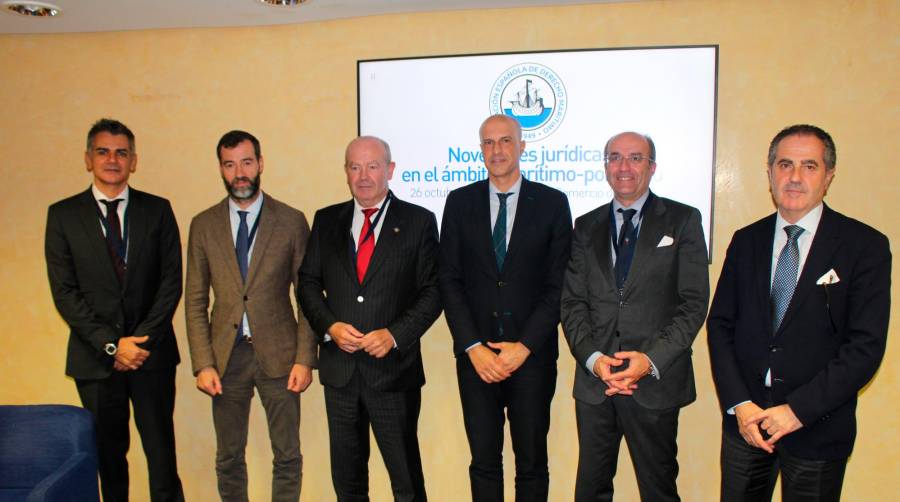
<point>785,279</point>
<point>499,233</point>
<point>115,245</point>
<point>625,247</point>
<point>242,245</point>
<point>242,250</point>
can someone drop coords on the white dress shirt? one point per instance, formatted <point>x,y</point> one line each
<point>252,215</point>
<point>120,210</point>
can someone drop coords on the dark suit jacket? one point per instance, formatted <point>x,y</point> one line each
<point>88,295</point>
<point>281,335</point>
<point>399,292</point>
<point>662,308</point>
<point>829,344</point>
<point>524,296</point>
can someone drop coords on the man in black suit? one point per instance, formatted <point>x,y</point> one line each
<point>368,286</point>
<point>504,246</point>
<point>634,296</point>
<point>114,263</point>
<point>797,328</point>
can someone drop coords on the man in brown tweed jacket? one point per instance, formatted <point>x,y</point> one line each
<point>248,249</point>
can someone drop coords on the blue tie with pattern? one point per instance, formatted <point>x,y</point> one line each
<point>785,279</point>
<point>499,234</point>
<point>242,250</point>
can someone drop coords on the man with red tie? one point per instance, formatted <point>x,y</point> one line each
<point>368,286</point>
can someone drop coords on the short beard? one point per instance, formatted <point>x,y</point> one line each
<point>244,193</point>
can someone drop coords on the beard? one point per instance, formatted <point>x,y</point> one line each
<point>245,192</point>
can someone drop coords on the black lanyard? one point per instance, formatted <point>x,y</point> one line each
<point>371,232</point>
<point>106,223</point>
<point>612,223</point>
<point>255,226</point>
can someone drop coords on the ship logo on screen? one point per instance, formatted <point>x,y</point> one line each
<point>534,95</point>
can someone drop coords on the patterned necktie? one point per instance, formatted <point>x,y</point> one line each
<point>499,233</point>
<point>785,279</point>
<point>114,243</point>
<point>366,245</point>
<point>625,248</point>
<point>242,245</point>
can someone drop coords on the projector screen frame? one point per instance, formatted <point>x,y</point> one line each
<point>715,98</point>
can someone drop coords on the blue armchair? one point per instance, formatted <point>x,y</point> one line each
<point>47,453</point>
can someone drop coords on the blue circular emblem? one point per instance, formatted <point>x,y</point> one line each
<point>534,95</point>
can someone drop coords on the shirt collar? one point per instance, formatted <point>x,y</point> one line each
<point>515,188</point>
<point>252,209</point>
<point>357,207</point>
<point>638,204</point>
<point>98,195</point>
<point>809,223</point>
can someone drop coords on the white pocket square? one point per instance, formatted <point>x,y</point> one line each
<point>665,241</point>
<point>830,277</point>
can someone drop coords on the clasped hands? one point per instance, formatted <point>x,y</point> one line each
<point>493,367</point>
<point>129,356</point>
<point>777,421</point>
<point>622,382</point>
<point>376,343</point>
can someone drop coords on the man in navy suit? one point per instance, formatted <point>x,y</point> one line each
<point>368,286</point>
<point>504,246</point>
<point>114,263</point>
<point>797,328</point>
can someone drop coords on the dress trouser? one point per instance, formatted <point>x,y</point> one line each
<point>231,415</point>
<point>651,438</point>
<point>749,474</point>
<point>152,394</point>
<point>394,418</point>
<point>525,399</point>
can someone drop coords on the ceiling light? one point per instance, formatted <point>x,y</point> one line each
<point>32,9</point>
<point>284,3</point>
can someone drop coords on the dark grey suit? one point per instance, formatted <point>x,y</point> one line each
<point>661,309</point>
<point>400,293</point>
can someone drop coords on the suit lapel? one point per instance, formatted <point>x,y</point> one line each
<point>392,229</point>
<point>824,245</point>
<point>763,240</point>
<point>346,250</point>
<point>525,214</point>
<point>88,215</point>
<point>136,218</point>
<point>651,232</point>
<point>602,245</point>
<point>268,218</point>
<point>223,240</point>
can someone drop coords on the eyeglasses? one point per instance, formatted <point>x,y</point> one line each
<point>633,159</point>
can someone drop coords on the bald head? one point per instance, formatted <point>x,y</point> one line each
<point>509,121</point>
<point>370,140</point>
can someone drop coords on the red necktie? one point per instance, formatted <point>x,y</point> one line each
<point>366,245</point>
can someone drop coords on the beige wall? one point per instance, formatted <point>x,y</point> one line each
<point>832,63</point>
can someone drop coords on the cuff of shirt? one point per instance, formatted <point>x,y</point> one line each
<point>591,361</point>
<point>470,347</point>
<point>326,338</point>
<point>653,370</point>
<point>730,411</point>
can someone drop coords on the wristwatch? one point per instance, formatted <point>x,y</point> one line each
<point>110,348</point>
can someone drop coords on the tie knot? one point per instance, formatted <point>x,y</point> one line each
<point>369,211</point>
<point>504,196</point>
<point>243,216</point>
<point>111,205</point>
<point>793,232</point>
<point>627,214</point>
